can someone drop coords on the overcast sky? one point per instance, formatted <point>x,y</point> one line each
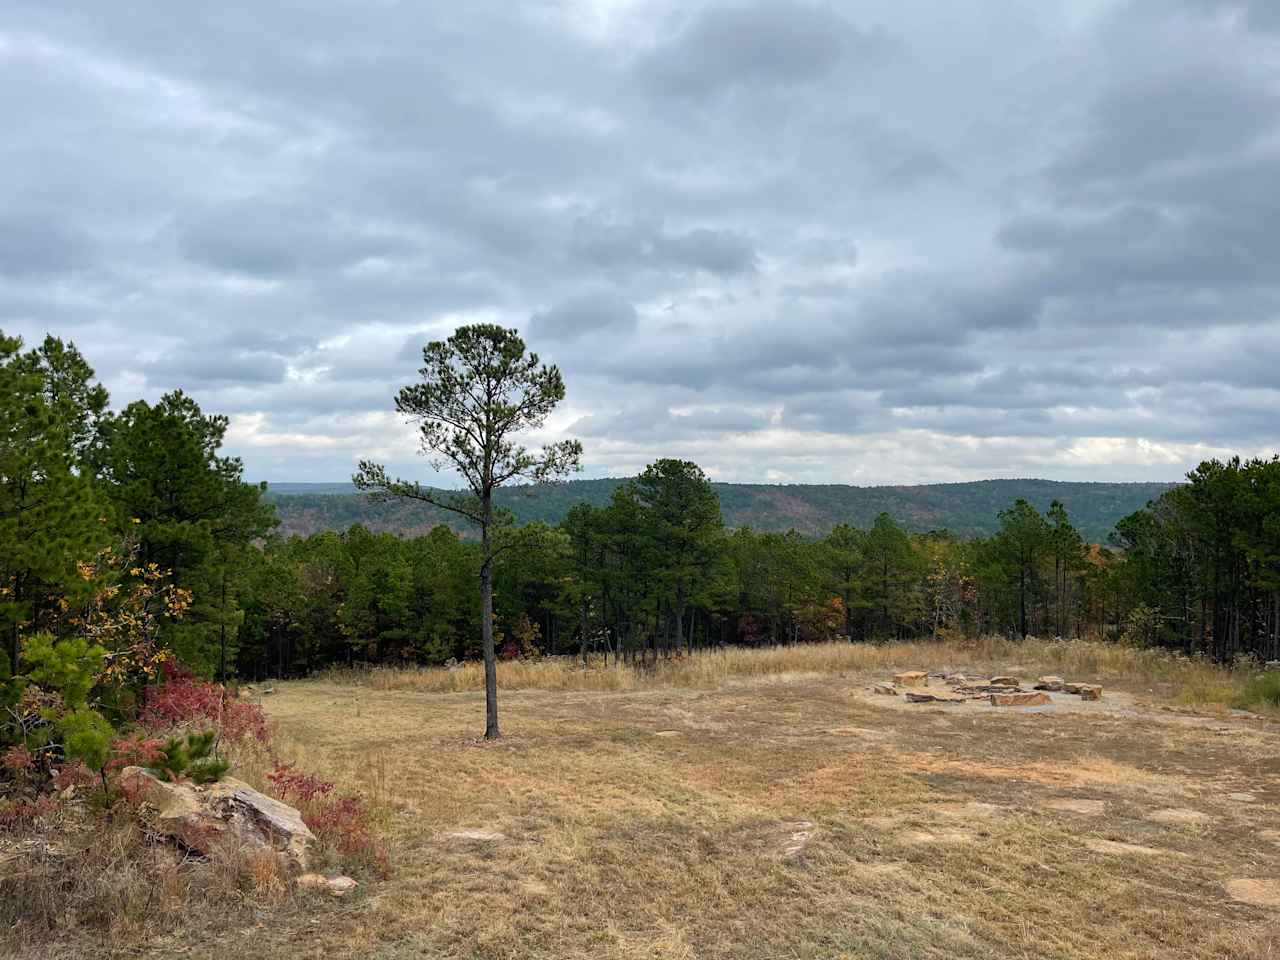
<point>847,242</point>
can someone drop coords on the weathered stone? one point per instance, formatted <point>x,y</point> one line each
<point>1004,681</point>
<point>1050,683</point>
<point>799,834</point>
<point>334,886</point>
<point>933,696</point>
<point>341,886</point>
<point>1024,698</point>
<point>884,689</point>
<point>178,812</point>
<point>199,817</point>
<point>1089,691</point>
<point>911,678</point>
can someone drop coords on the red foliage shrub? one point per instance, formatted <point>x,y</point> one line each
<point>143,752</point>
<point>73,774</point>
<point>340,821</point>
<point>183,700</point>
<point>295,784</point>
<point>17,759</point>
<point>22,814</point>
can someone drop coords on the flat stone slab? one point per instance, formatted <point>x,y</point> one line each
<point>1025,699</point>
<point>1258,893</point>
<point>797,842</point>
<point>933,696</point>
<point>334,886</point>
<point>1241,797</point>
<point>911,678</point>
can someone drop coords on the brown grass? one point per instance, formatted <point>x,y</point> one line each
<point>1187,680</point>
<point>753,804</point>
<point>657,814</point>
<point>100,886</point>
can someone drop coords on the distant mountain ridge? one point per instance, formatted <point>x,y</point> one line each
<point>967,509</point>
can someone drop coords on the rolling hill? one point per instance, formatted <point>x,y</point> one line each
<point>967,509</point>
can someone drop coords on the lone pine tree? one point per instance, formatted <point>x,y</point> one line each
<point>478,390</point>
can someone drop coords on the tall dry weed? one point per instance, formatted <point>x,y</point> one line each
<point>1095,660</point>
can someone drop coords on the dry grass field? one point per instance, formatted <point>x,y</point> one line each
<point>767,805</point>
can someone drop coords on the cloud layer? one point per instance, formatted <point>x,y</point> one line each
<point>793,240</point>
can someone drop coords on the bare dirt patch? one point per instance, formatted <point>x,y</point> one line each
<point>1087,808</point>
<point>1258,893</point>
<point>969,810</point>
<point>1099,845</point>
<point>929,838</point>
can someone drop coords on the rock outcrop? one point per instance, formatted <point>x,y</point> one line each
<point>201,817</point>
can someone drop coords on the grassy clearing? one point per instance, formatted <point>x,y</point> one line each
<point>1189,681</point>
<point>659,815</point>
<point>753,804</point>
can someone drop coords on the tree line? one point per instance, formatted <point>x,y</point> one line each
<point>98,503</point>
<point>656,573</point>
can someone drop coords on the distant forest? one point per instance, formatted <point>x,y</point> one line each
<point>127,538</point>
<point>963,509</point>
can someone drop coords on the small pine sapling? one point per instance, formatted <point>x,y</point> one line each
<point>191,758</point>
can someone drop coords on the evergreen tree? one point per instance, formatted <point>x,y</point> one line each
<point>50,513</point>
<point>1019,546</point>
<point>682,516</point>
<point>191,510</point>
<point>843,557</point>
<point>478,390</point>
<point>890,571</point>
<point>1067,548</point>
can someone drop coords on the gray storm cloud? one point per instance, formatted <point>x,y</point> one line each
<point>791,239</point>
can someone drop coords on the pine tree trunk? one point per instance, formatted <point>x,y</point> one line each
<point>491,731</point>
<point>1022,601</point>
